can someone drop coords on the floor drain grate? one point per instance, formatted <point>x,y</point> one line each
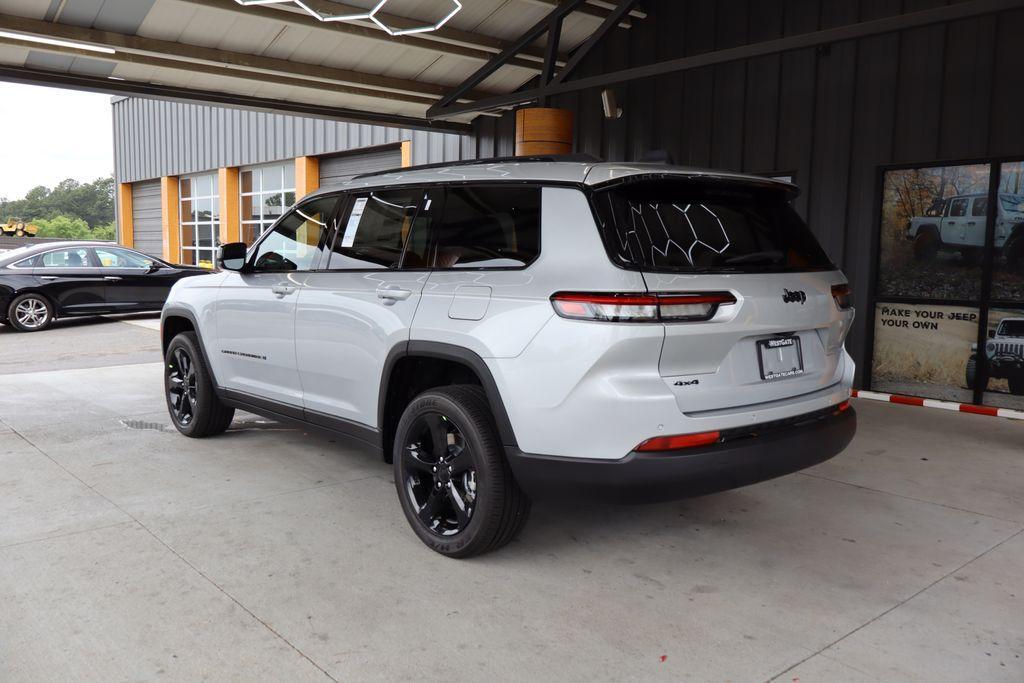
<point>151,426</point>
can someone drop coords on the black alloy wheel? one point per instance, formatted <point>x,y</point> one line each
<point>181,388</point>
<point>439,474</point>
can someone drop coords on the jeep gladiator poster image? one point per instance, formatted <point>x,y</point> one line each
<point>1004,349</point>
<point>933,232</point>
<point>923,350</point>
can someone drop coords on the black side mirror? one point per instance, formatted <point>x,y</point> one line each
<point>231,256</point>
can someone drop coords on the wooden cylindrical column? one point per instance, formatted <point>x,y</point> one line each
<point>542,131</point>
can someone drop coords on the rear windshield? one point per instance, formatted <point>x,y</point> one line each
<point>682,225</point>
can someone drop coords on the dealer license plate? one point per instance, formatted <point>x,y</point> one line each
<point>780,357</point>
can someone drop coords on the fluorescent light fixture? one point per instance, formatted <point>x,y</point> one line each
<point>54,41</point>
<point>369,15</point>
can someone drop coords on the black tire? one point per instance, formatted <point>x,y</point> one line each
<point>192,403</point>
<point>1014,251</point>
<point>926,245</point>
<point>1017,384</point>
<point>971,373</point>
<point>24,312</point>
<point>495,506</point>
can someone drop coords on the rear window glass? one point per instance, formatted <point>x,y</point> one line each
<point>494,226</point>
<point>686,226</point>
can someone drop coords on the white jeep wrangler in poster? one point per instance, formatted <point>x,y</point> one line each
<point>957,224</point>
<point>1005,352</point>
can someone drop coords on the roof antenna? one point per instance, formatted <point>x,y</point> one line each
<point>658,156</point>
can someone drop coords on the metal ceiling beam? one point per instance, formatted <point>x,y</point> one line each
<point>213,70</point>
<point>420,41</point>
<point>583,50</point>
<point>902,22</point>
<point>598,10</point>
<point>227,63</point>
<point>196,96</point>
<point>543,26</point>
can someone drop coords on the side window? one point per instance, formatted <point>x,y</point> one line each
<point>980,207</point>
<point>489,226</point>
<point>295,243</point>
<point>121,258</point>
<point>65,258</point>
<point>958,208</point>
<point>379,225</point>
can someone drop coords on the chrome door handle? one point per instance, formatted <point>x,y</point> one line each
<point>282,290</point>
<point>111,278</point>
<point>48,277</point>
<point>391,295</point>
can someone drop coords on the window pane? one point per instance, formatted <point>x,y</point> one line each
<point>188,235</point>
<point>923,350</point>
<point>188,257</point>
<point>930,247</point>
<point>273,207</point>
<point>489,227</point>
<point>203,186</point>
<point>289,198</point>
<point>205,258</point>
<point>246,180</point>
<point>375,230</point>
<point>271,178</point>
<point>185,188</point>
<point>1008,277</point>
<point>289,177</point>
<point>250,232</point>
<point>205,236</point>
<point>186,212</point>
<point>683,226</point>
<point>294,244</point>
<point>249,209</point>
<point>121,258</point>
<point>65,258</point>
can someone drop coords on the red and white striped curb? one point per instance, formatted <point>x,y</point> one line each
<point>942,405</point>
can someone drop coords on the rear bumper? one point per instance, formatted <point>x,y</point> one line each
<point>656,477</point>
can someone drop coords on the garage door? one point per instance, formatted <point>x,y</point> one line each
<point>149,237</point>
<point>335,170</point>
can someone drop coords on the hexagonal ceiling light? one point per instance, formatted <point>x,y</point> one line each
<point>369,15</point>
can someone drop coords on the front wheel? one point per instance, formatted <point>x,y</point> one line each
<point>971,373</point>
<point>926,245</point>
<point>193,404</point>
<point>453,481</point>
<point>30,313</point>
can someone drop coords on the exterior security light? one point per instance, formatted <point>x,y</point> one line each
<point>54,41</point>
<point>370,15</point>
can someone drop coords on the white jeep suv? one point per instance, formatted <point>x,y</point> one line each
<point>506,330</point>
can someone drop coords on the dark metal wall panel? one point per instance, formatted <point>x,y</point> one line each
<point>157,138</point>
<point>146,220</point>
<point>336,169</point>
<point>831,115</point>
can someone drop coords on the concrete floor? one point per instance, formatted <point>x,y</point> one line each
<point>128,552</point>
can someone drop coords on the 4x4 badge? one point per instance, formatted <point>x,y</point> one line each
<point>687,383</point>
<point>798,296</point>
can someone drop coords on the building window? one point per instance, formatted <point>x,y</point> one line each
<point>266,193</point>
<point>200,219</point>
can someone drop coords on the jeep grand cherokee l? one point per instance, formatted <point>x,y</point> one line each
<point>506,330</point>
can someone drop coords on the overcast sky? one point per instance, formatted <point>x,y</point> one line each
<point>49,134</point>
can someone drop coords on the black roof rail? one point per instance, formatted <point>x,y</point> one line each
<point>578,158</point>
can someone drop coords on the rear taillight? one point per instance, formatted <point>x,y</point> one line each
<point>843,296</point>
<point>679,442</point>
<point>640,308</point>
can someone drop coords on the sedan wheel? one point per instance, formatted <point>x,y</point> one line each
<point>30,313</point>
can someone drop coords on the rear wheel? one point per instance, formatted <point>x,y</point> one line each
<point>192,402</point>
<point>972,371</point>
<point>30,313</point>
<point>453,481</point>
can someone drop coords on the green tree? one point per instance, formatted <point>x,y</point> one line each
<point>64,227</point>
<point>91,202</point>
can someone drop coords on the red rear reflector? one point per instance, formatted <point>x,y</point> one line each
<point>842,407</point>
<point>680,441</point>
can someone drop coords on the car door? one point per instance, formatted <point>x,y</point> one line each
<point>361,303</point>
<point>132,280</point>
<point>255,308</point>
<point>72,280</point>
<point>954,226</point>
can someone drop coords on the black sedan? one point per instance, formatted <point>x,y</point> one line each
<point>42,282</point>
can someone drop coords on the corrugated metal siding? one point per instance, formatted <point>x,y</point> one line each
<point>831,115</point>
<point>154,138</point>
<point>335,170</point>
<point>146,217</point>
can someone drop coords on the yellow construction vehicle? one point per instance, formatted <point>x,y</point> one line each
<point>17,228</point>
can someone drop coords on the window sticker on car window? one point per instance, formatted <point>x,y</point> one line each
<point>349,238</point>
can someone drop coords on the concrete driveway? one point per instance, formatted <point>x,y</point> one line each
<point>128,552</point>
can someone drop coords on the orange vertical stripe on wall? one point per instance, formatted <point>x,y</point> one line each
<point>406,153</point>
<point>307,176</point>
<point>170,220</point>
<point>230,201</point>
<point>125,215</point>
